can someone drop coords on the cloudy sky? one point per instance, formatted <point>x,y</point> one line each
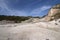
<point>26,7</point>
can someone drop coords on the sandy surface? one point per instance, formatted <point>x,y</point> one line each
<point>30,31</point>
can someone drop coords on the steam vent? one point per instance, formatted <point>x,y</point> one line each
<point>54,13</point>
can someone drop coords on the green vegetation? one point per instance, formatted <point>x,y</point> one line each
<point>16,19</point>
<point>56,16</point>
<point>56,7</point>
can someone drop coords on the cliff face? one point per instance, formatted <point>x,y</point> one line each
<point>53,13</point>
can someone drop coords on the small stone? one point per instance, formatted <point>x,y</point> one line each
<point>59,21</point>
<point>56,24</point>
<point>47,39</point>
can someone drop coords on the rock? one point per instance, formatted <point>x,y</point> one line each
<point>53,13</point>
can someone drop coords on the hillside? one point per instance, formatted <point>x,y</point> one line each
<point>47,28</point>
<point>53,14</point>
<point>16,19</point>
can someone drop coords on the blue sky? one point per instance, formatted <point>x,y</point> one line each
<point>26,7</point>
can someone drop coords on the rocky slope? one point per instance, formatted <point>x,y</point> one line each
<point>54,13</point>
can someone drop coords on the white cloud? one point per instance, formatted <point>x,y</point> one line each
<point>8,11</point>
<point>18,13</point>
<point>40,9</point>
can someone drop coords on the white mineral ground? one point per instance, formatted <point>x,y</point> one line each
<point>31,31</point>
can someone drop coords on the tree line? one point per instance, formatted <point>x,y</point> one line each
<point>16,19</point>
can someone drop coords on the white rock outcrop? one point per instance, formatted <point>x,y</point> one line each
<point>53,11</point>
